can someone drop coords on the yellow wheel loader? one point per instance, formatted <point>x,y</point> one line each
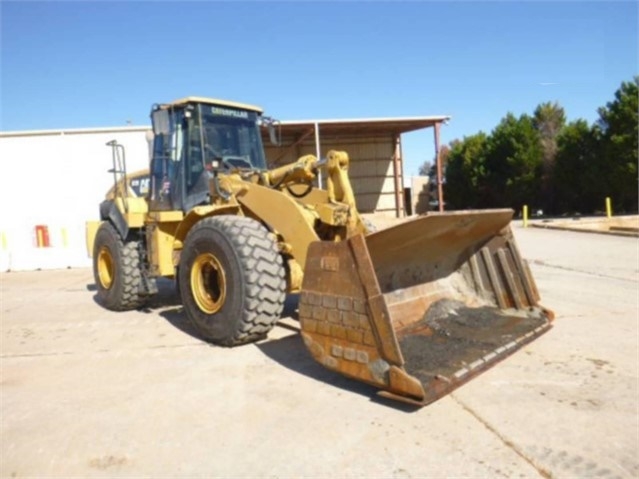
<point>415,309</point>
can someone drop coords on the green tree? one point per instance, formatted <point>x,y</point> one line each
<point>548,120</point>
<point>466,172</point>
<point>514,164</point>
<point>579,169</point>
<point>542,162</point>
<point>429,168</point>
<point>619,121</point>
<point>425,168</point>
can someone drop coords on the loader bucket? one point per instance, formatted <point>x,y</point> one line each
<point>419,308</point>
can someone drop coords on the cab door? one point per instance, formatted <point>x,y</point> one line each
<point>166,192</point>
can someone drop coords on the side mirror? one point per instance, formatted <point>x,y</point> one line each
<point>161,123</point>
<point>275,134</point>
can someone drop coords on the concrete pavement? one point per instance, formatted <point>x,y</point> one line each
<point>90,393</point>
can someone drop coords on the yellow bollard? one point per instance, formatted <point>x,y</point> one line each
<point>4,241</point>
<point>608,207</point>
<point>65,240</point>
<point>525,215</point>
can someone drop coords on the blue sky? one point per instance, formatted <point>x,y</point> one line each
<point>95,64</point>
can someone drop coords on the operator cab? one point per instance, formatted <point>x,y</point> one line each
<point>194,139</point>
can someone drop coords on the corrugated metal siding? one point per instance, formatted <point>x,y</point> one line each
<point>371,167</point>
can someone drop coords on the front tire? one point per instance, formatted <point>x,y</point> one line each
<point>232,280</point>
<point>116,270</point>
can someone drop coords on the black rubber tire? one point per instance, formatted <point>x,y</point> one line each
<point>122,293</point>
<point>255,279</point>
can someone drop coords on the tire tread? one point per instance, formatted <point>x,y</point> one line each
<point>264,275</point>
<point>127,272</point>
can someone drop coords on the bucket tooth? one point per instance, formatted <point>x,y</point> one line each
<point>515,292</point>
<point>498,290</point>
<point>478,281</point>
<point>523,274</point>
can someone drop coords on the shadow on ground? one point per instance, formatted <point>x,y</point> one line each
<point>290,306</point>
<point>177,318</point>
<point>166,304</point>
<point>166,296</point>
<point>288,352</point>
<point>291,353</point>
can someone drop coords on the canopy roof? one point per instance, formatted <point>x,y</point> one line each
<point>213,101</point>
<point>361,126</point>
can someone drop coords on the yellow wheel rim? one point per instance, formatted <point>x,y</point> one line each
<point>208,283</point>
<point>105,267</point>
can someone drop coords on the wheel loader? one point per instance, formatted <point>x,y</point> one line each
<point>416,309</point>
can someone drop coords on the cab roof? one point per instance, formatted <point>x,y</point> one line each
<point>213,101</point>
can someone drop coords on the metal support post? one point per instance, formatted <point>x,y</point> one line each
<point>440,186</point>
<point>399,192</point>
<point>318,153</point>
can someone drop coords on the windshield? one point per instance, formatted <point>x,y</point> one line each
<point>233,136</point>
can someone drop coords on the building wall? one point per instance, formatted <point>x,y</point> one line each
<point>420,194</point>
<point>56,180</point>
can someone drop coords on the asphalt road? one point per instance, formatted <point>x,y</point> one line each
<point>90,393</point>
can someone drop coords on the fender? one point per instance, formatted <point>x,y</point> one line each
<point>110,212</point>
<point>196,214</point>
<point>135,212</point>
<point>283,215</point>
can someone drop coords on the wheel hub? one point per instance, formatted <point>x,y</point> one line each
<point>105,267</point>
<point>208,283</point>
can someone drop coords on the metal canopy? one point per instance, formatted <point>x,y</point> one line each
<point>295,132</point>
<point>361,127</point>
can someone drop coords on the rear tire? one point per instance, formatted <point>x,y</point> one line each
<point>232,280</point>
<point>116,270</point>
